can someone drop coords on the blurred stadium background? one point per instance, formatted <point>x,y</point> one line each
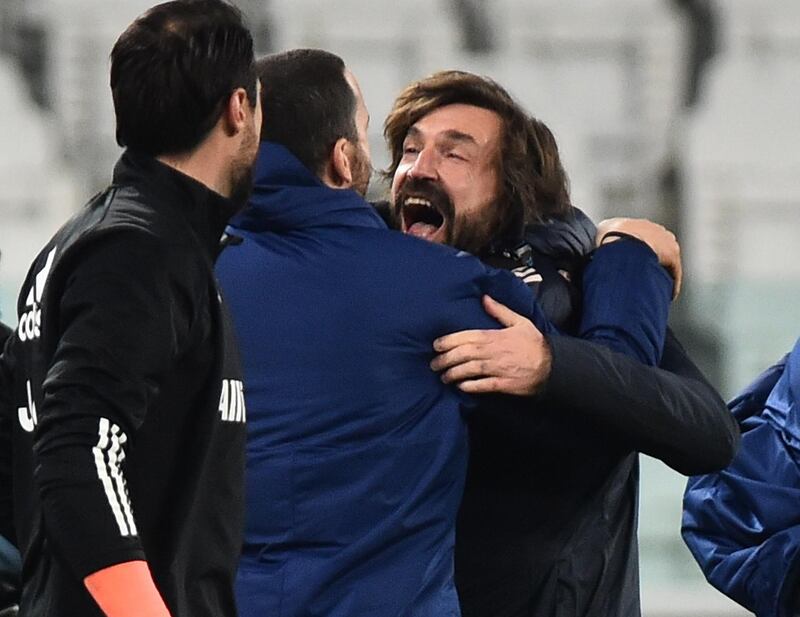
<point>685,111</point>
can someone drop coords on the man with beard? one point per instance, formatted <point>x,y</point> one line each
<point>356,450</point>
<point>548,521</point>
<point>121,380</point>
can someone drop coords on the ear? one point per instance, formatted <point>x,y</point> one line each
<point>340,174</point>
<point>235,113</point>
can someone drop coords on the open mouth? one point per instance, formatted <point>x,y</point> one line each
<point>420,218</point>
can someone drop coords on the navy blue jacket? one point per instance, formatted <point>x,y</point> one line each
<point>743,523</point>
<point>356,451</point>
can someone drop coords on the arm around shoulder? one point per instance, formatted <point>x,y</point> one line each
<point>676,417</point>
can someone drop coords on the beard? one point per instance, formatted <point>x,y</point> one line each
<point>471,233</point>
<point>473,236</point>
<point>242,187</point>
<point>362,169</point>
<point>242,170</point>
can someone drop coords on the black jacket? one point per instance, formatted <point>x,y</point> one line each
<point>9,579</point>
<point>547,525</point>
<point>128,422</point>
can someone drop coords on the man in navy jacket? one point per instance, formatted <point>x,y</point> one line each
<point>357,451</point>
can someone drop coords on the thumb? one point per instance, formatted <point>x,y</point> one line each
<point>501,312</point>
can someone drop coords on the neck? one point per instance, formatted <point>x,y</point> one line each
<point>203,165</point>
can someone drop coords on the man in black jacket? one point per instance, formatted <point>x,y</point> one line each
<point>122,381</point>
<point>9,558</point>
<point>548,521</point>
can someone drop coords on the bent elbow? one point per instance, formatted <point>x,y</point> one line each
<point>726,447</point>
<point>713,453</point>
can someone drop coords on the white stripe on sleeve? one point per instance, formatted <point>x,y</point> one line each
<point>110,442</point>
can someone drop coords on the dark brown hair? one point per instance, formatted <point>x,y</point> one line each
<point>308,104</point>
<point>172,71</point>
<point>535,186</point>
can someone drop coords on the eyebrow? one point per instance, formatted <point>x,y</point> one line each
<point>451,135</point>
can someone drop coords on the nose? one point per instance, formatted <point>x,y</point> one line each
<point>425,165</point>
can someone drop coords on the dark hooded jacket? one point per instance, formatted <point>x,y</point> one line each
<point>547,525</point>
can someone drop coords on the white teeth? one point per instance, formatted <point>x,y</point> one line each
<point>417,201</point>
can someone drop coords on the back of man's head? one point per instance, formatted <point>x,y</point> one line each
<point>308,104</point>
<point>173,70</point>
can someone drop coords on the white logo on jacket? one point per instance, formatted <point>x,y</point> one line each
<point>31,321</point>
<point>27,415</point>
<point>527,274</point>
<point>231,401</point>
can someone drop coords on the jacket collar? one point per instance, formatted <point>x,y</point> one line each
<point>287,196</point>
<point>178,197</point>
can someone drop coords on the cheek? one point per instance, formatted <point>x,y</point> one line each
<point>485,190</point>
<point>398,179</point>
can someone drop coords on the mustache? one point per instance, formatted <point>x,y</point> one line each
<point>427,189</point>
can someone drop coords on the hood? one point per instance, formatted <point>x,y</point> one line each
<point>287,196</point>
<point>569,237</point>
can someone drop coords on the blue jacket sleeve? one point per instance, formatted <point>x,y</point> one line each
<point>742,524</point>
<point>459,285</point>
<point>626,298</point>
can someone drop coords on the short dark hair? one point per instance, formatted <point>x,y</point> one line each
<point>535,185</point>
<point>308,104</point>
<point>173,70</point>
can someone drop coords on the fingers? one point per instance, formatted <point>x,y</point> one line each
<point>501,312</point>
<point>504,315</point>
<point>445,343</point>
<point>678,276</point>
<point>485,385</point>
<point>473,369</point>
<point>457,355</point>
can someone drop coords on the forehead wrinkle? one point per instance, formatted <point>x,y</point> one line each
<point>448,136</point>
<point>456,136</point>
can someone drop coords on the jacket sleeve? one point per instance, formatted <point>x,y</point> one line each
<point>742,524</point>
<point>114,337</point>
<point>626,298</point>
<point>674,414</point>
<point>674,417</point>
